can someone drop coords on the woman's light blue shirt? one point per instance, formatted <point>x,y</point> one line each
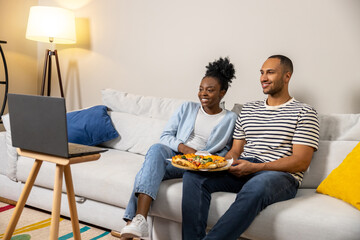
<point>182,122</point>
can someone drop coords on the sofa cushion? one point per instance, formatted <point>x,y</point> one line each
<point>339,134</point>
<point>237,108</point>
<point>339,127</point>
<point>109,179</point>
<point>344,181</point>
<point>326,159</point>
<point>307,216</point>
<point>152,107</point>
<point>138,119</point>
<point>136,133</point>
<point>307,210</point>
<point>90,126</point>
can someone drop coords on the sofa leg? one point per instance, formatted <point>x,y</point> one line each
<point>118,235</point>
<point>115,233</point>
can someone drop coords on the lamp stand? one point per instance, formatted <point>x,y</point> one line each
<point>47,69</point>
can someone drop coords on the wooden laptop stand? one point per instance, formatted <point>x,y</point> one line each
<point>62,168</point>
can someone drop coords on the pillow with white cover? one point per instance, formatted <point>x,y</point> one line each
<point>138,119</point>
<point>136,133</point>
<point>147,106</point>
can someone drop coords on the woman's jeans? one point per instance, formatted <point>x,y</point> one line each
<point>155,169</point>
<point>254,193</point>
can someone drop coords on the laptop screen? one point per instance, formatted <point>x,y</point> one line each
<point>38,123</point>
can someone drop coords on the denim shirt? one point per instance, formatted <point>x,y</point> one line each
<point>182,122</point>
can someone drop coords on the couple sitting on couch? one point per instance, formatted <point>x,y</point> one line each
<point>271,141</point>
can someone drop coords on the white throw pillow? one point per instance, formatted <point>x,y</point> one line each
<point>152,107</point>
<point>137,133</point>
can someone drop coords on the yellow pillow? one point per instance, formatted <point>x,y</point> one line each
<point>344,181</point>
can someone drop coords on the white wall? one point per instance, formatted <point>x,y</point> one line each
<point>161,47</point>
<point>20,54</point>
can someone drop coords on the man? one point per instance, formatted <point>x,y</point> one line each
<point>274,141</point>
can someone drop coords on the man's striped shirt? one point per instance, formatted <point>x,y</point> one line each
<point>271,131</point>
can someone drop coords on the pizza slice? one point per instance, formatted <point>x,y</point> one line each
<point>183,160</point>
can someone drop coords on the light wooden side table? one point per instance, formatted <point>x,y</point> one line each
<point>62,168</point>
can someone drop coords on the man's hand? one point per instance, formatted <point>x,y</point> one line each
<point>299,161</point>
<point>241,168</point>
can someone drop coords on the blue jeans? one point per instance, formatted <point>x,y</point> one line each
<point>154,170</point>
<point>254,193</point>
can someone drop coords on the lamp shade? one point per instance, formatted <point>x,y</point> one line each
<point>51,24</point>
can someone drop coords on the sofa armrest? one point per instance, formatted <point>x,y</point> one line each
<point>9,161</point>
<point>3,153</point>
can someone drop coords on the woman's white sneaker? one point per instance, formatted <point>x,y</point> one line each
<point>137,228</point>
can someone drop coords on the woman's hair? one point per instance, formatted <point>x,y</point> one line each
<point>223,71</point>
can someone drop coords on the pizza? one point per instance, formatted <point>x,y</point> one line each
<point>198,162</point>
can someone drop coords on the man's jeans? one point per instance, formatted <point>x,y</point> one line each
<point>254,193</point>
<point>154,170</point>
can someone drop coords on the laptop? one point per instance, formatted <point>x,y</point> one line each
<point>38,123</point>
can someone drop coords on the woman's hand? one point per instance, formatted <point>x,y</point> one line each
<point>241,168</point>
<point>185,149</point>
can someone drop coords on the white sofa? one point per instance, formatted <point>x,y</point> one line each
<point>103,187</point>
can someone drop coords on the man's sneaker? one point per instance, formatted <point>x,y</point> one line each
<point>137,228</point>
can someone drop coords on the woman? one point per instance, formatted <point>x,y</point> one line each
<point>203,126</point>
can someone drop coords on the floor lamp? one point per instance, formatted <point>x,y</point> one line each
<point>55,26</point>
